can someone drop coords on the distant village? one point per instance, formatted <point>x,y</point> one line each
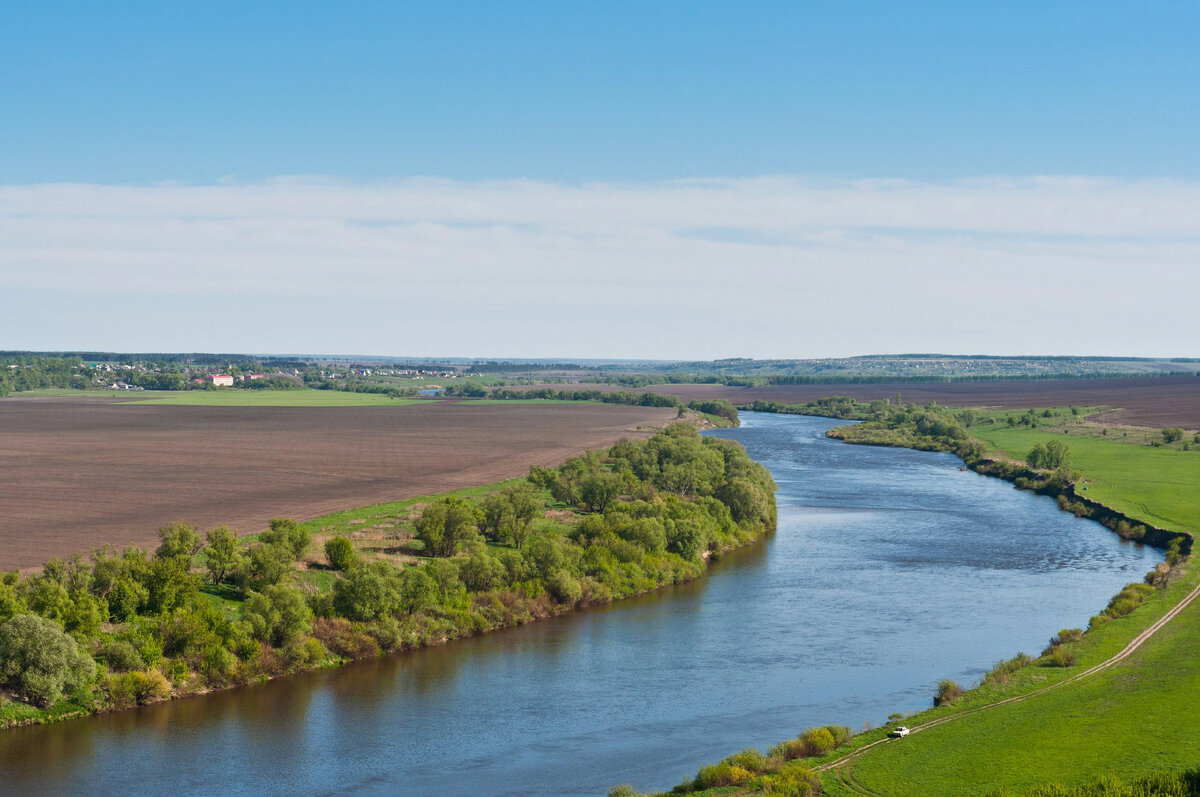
<point>146,376</point>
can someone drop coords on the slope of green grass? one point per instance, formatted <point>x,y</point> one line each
<point>1158,485</point>
<point>272,398</point>
<point>1133,719</point>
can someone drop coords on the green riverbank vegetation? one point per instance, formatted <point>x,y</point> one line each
<point>1132,721</point>
<point>208,611</point>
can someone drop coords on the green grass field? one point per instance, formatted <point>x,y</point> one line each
<point>1133,719</point>
<point>270,398</point>
<point>1158,485</point>
<point>64,392</point>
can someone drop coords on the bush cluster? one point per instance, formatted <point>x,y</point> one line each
<point>1003,671</point>
<point>1124,602</point>
<point>812,742</point>
<point>947,692</point>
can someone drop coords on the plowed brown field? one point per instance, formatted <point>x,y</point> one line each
<point>1151,401</point>
<point>77,473</point>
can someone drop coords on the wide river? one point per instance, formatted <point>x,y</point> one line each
<point>890,570</point>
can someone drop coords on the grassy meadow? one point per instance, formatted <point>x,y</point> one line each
<point>1135,718</point>
<point>1158,485</point>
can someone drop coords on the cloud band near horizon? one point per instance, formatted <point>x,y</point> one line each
<point>694,269</point>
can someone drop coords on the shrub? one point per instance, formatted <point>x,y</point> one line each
<point>121,656</point>
<point>176,670</point>
<point>1128,599</point>
<point>792,780</point>
<point>722,774</point>
<point>841,734</point>
<point>812,742</point>
<point>818,741</point>
<point>1060,657</point>
<point>750,760</point>
<point>136,688</point>
<point>344,639</point>
<point>1174,554</point>
<point>370,591</point>
<point>1066,635</point>
<point>40,661</point>
<point>732,771</point>
<point>305,653</point>
<point>624,790</point>
<point>948,691</point>
<point>217,665</point>
<point>278,615</point>
<point>564,587</point>
<point>481,571</point>
<point>340,553</point>
<point>1000,673</point>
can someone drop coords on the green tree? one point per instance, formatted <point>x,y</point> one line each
<point>746,501</point>
<point>222,552</point>
<point>545,555</point>
<point>494,516</point>
<point>1049,456</point>
<point>481,571</point>
<point>1172,435</point>
<point>446,526</point>
<point>278,615</point>
<point>10,602</point>
<point>46,596</point>
<point>369,591</point>
<point>270,563</point>
<point>525,504</point>
<point>177,541</point>
<point>289,534</point>
<point>169,584</point>
<point>40,661</point>
<point>420,591</point>
<point>340,553</point>
<point>685,537</point>
<point>598,490</point>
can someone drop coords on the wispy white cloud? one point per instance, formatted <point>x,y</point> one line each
<point>763,267</point>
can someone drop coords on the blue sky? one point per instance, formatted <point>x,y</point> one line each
<point>537,170</point>
<point>136,92</point>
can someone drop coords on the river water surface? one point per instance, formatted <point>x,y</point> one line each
<point>890,570</point>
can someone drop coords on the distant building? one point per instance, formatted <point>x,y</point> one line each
<point>221,379</point>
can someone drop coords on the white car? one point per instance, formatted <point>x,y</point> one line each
<point>900,732</point>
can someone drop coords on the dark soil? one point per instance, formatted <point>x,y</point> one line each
<point>1150,401</point>
<point>78,473</point>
